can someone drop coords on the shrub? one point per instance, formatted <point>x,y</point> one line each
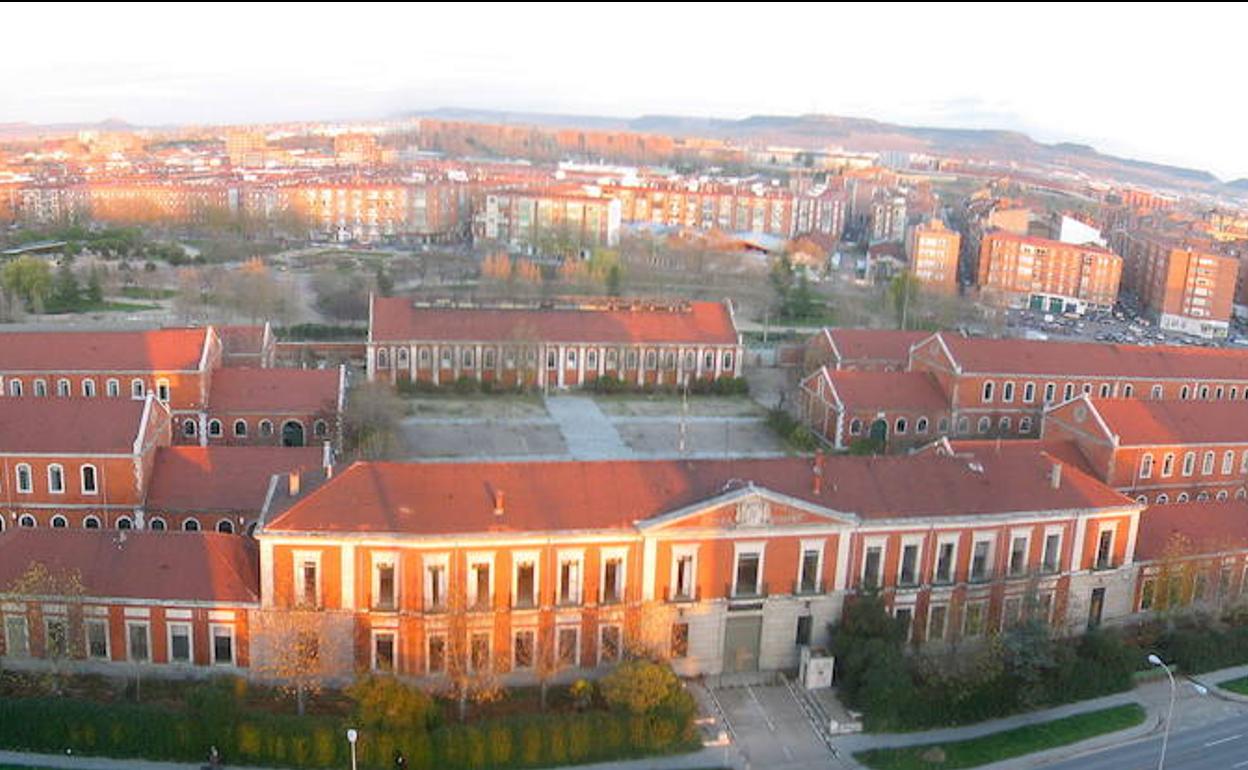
<point>638,686</point>
<point>465,385</point>
<point>383,702</point>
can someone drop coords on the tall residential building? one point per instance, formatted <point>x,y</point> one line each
<point>1047,275</point>
<point>888,219</point>
<point>932,250</point>
<point>1185,289</point>
<point>245,148</point>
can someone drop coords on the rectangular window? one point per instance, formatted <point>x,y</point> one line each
<point>905,619</point>
<point>16,638</point>
<point>524,648</point>
<point>383,651</point>
<point>871,566</point>
<point>973,620</point>
<point>936,618</point>
<point>1018,555</point>
<point>609,644</point>
<point>680,640</point>
<point>908,575</point>
<point>222,645</point>
<point>1148,593</point>
<point>526,585</point>
<point>97,639</point>
<point>570,581</point>
<point>179,642</point>
<point>684,583</point>
<point>809,582</point>
<point>385,587</point>
<point>137,642</point>
<point>436,659</point>
<point>980,556</point>
<point>435,587</point>
<point>56,637</point>
<point>805,625</point>
<point>1013,612</point>
<point>944,562</point>
<point>1105,549</point>
<point>568,649</point>
<point>612,580</point>
<point>1029,392</point>
<point>747,574</point>
<point>1052,551</point>
<point>479,586</point>
<point>309,587</point>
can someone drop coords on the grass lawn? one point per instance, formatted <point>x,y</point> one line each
<point>108,306</point>
<point>1007,744</point>
<point>501,406</point>
<point>1239,685</point>
<point>138,292</point>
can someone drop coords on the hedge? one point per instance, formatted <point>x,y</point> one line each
<point>156,733</point>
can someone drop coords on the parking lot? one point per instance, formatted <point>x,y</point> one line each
<point>1126,324</point>
<point>575,426</point>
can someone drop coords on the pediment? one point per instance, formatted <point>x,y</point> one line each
<point>746,509</point>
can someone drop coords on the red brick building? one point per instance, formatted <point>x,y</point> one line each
<point>872,350</point>
<point>1023,271</point>
<point>273,407</point>
<point>893,409</point>
<point>559,345</point>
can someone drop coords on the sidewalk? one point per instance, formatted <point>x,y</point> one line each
<point>1190,709</point>
<point>586,431</point>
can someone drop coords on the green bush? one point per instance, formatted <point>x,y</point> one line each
<point>383,702</point>
<point>466,385</point>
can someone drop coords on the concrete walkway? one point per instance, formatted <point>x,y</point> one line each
<point>697,760</point>
<point>586,431</point>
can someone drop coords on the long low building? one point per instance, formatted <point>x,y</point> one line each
<point>558,344</point>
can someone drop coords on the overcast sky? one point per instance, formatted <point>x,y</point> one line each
<point>1157,82</point>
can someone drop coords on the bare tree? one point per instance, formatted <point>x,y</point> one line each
<point>62,634</point>
<point>302,650</point>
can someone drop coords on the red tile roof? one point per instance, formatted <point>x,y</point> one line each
<point>273,391</point>
<point>454,498</point>
<point>889,390</point>
<point>1138,421</point>
<point>69,425</point>
<point>876,344</point>
<point>125,351</point>
<point>1063,450</point>
<point>223,478</point>
<point>241,340</point>
<point>395,320</point>
<point>161,566</point>
<point>1200,527</point>
<point>979,355</point>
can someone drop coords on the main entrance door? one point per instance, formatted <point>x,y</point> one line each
<point>741,642</point>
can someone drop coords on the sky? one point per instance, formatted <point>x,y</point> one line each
<point>1157,82</point>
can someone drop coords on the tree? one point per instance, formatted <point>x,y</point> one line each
<point>638,686</point>
<point>870,662</point>
<point>370,422</point>
<point>385,284</point>
<point>95,287</point>
<point>613,281</point>
<point>300,649</point>
<point>30,279</point>
<point>903,292</point>
<point>64,637</point>
<point>66,294</point>
<point>385,703</point>
<point>470,678</point>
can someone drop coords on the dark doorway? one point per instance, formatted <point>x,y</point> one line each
<point>292,433</point>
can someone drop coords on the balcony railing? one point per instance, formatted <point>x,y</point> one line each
<point>384,605</point>
<point>524,603</point>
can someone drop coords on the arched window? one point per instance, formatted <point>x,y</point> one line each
<point>56,478</point>
<point>190,525</point>
<point>15,387</point>
<point>1228,462</point>
<point>162,391</point>
<point>1202,497</point>
<point>1189,463</point>
<point>942,426</point>
<point>1206,464</point>
<point>900,425</point>
<point>240,428</point>
<point>985,424</point>
<point>1104,390</point>
<point>1146,465</point>
<point>320,429</point>
<point>652,359</point>
<point>26,521</point>
<point>123,522</point>
<point>964,425</point>
<point>987,394</point>
<point>41,388</point>
<point>189,428</point>
<point>91,522</point>
<point>87,475</point>
<point>59,522</point>
<point>63,388</point>
<point>1241,493</point>
<point>400,358</point>
<point>1183,392</point>
<point>225,527</point>
<point>1068,392</point>
<point>214,427</point>
<point>266,428</point>
<point>1163,498</point>
<point>1024,425</point>
<point>1142,499</point>
<point>1204,392</point>
<point>727,361</point>
<point>1182,498</point>
<point>383,361</point>
<point>1167,465</point>
<point>1128,390</point>
<point>157,524</point>
<point>25,481</point>
<point>920,425</point>
<point>112,388</point>
<point>88,388</point>
<point>1222,495</point>
<point>855,427</point>
<point>1003,425</point>
<point>136,388</point>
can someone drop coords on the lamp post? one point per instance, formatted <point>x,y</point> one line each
<point>353,735</point>
<point>1165,735</point>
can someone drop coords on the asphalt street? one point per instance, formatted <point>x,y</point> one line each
<point>1220,745</point>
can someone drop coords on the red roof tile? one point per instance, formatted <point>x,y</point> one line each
<point>395,320</point>
<point>876,344</point>
<point>1014,356</point>
<point>161,566</point>
<point>1207,527</point>
<point>453,498</point>
<point>126,351</point>
<point>889,390</point>
<point>1063,450</point>
<point>241,340</point>
<point>224,478</point>
<point>1138,421</point>
<point>273,391</point>
<point>69,425</point>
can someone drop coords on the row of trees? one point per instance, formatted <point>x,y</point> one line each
<point>32,282</point>
<point>251,291</point>
<point>602,273</point>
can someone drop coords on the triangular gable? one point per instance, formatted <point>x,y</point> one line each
<point>748,508</point>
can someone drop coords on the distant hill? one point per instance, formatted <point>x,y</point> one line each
<point>865,134</point>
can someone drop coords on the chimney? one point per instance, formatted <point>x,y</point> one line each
<point>1055,476</point>
<point>498,502</point>
<point>817,475</point>
<point>293,483</point>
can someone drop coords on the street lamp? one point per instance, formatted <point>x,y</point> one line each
<point>1165,735</point>
<point>353,735</point>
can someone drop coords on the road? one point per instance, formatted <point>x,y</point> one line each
<point>1221,745</point>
